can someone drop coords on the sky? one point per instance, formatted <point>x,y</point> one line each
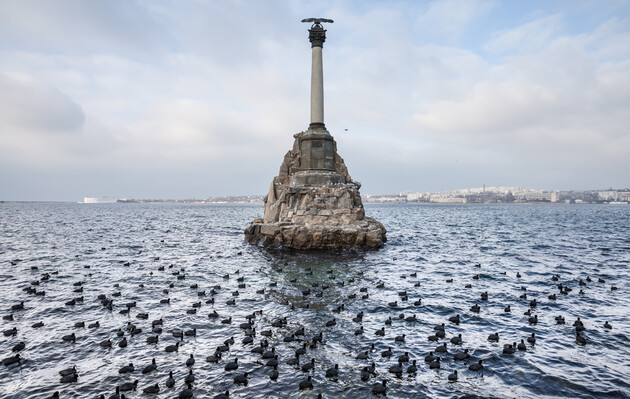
<point>191,99</point>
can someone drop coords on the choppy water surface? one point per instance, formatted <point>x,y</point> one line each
<point>138,250</point>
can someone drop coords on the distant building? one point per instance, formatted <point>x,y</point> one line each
<point>101,200</point>
<point>607,195</point>
<point>449,200</point>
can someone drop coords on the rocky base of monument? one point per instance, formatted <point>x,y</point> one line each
<point>313,203</point>
<point>322,217</point>
<point>367,234</point>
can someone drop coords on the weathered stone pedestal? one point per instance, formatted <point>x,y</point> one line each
<point>313,202</point>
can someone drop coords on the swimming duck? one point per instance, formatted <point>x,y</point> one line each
<point>461,355</point>
<point>457,340</point>
<point>129,386</point>
<point>365,374</point>
<point>18,347</point>
<point>387,352</point>
<point>441,348</point>
<point>241,379</point>
<point>307,383</point>
<point>308,366</point>
<point>580,339</point>
<point>380,388</point>
<point>332,372</point>
<point>151,367</point>
<point>294,361</point>
<point>170,381</point>
<point>126,369</point>
<point>190,378</point>
<point>475,366</point>
<point>232,365</point>
<point>187,393</point>
<point>273,373</point>
<point>66,379</point>
<point>532,339</point>
<point>68,371</point>
<point>396,369</point>
<point>412,368</point>
<point>11,360</point>
<point>69,338</point>
<point>155,388</point>
<point>172,348</point>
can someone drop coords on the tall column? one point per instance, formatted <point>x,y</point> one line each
<point>317,37</point>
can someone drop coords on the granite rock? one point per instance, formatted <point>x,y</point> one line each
<point>313,203</point>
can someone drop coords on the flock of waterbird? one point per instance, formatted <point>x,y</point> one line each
<point>262,336</point>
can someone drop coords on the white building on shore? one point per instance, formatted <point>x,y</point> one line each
<point>101,200</point>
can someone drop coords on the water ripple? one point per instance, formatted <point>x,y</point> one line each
<point>142,250</point>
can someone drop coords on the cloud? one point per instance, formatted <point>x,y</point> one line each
<point>27,105</point>
<point>81,26</point>
<point>531,36</point>
<point>177,99</point>
<point>449,19</point>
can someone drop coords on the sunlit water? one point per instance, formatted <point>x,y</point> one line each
<point>127,244</point>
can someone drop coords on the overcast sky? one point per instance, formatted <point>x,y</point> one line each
<point>190,99</point>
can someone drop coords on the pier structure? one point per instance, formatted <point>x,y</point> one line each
<point>313,203</point>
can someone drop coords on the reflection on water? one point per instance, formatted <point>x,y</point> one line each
<point>151,253</point>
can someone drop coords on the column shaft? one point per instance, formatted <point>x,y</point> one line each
<point>317,89</point>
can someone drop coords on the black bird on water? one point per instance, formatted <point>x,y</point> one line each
<point>380,388</point>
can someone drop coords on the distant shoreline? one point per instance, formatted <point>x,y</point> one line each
<point>200,202</point>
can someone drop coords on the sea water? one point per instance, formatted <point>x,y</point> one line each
<point>141,250</point>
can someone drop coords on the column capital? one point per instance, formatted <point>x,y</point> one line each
<point>317,35</point>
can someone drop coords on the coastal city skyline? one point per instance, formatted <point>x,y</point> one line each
<point>170,100</point>
<point>475,195</point>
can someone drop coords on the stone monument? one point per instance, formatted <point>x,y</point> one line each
<point>313,202</point>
